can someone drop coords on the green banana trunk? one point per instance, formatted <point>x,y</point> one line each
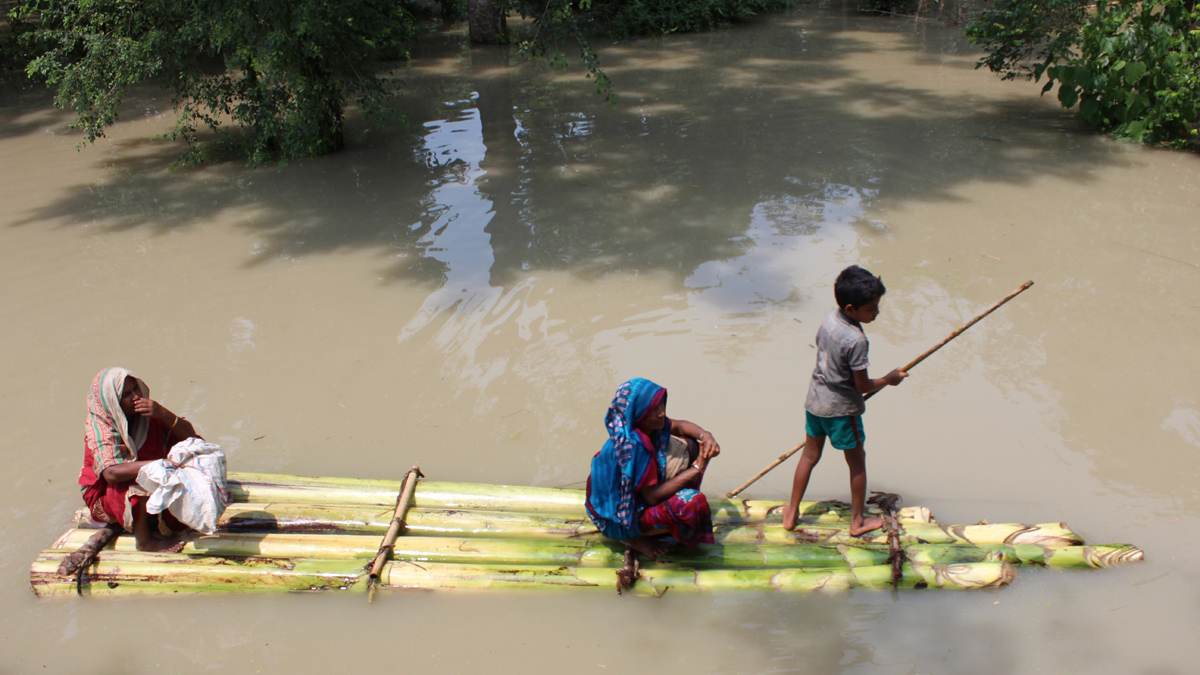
<point>1043,534</point>
<point>659,580</point>
<point>309,518</point>
<point>441,495</point>
<point>144,573</point>
<point>137,572</point>
<point>607,553</point>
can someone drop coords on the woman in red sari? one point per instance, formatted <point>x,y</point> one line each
<point>124,431</point>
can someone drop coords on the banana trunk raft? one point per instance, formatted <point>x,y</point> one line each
<point>290,533</point>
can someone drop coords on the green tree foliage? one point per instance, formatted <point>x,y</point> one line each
<point>624,18</point>
<point>559,22</point>
<point>1133,68</point>
<point>280,71</point>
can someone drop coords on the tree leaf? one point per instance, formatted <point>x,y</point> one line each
<point>1068,96</point>
<point>1084,78</point>
<point>1134,71</point>
<point>1089,110</point>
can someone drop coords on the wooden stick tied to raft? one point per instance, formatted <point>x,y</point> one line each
<point>86,555</point>
<point>784,457</point>
<point>389,539</point>
<point>887,502</point>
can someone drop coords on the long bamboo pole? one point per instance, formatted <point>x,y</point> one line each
<point>929,352</point>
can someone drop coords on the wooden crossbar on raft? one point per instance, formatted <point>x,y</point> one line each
<point>403,501</point>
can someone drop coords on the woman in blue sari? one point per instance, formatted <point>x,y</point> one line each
<point>646,478</point>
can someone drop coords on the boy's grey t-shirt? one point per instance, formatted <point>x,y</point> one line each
<point>841,350</point>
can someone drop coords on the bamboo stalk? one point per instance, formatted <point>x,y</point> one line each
<point>929,352</point>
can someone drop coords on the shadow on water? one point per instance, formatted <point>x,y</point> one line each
<point>27,108</point>
<point>518,169</point>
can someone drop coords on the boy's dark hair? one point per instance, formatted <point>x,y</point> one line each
<point>856,287</point>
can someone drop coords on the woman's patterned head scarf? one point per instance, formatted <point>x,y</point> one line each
<point>109,436</point>
<point>618,467</point>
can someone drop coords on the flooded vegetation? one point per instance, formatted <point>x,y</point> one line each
<point>465,291</point>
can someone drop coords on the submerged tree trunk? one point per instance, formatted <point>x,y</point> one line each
<point>485,19</point>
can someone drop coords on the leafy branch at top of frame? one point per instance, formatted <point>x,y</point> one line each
<point>562,21</point>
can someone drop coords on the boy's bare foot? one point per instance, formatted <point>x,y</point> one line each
<point>868,524</point>
<point>652,548</point>
<point>789,519</point>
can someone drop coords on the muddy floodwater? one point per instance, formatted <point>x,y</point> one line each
<point>465,292</point>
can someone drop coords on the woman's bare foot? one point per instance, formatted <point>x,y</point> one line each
<point>155,545</point>
<point>652,548</point>
<point>867,525</point>
<point>147,536</point>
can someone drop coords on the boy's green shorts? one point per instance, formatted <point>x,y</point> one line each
<point>845,433</point>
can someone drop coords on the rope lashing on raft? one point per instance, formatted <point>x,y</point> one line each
<point>630,572</point>
<point>888,502</point>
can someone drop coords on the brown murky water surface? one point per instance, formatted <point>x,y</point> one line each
<point>466,292</point>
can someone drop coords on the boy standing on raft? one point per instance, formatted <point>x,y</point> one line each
<point>835,404</point>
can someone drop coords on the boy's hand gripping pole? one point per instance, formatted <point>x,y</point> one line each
<point>784,457</point>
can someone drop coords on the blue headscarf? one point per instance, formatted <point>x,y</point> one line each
<point>612,502</point>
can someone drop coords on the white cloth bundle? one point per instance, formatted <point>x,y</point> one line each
<point>190,483</point>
